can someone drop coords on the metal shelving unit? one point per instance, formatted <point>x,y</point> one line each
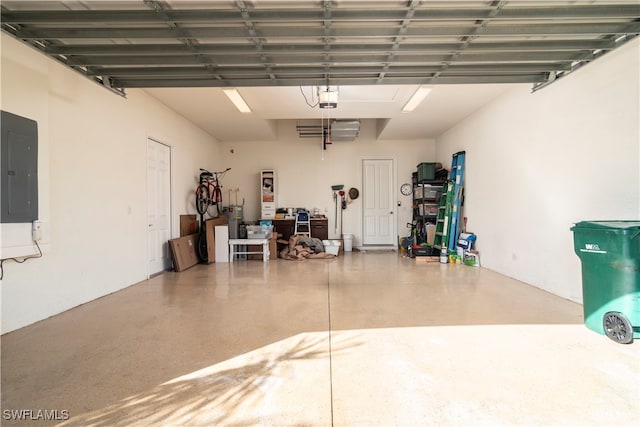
<point>426,201</point>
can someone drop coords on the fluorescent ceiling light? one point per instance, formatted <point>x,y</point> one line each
<point>416,99</point>
<point>234,96</point>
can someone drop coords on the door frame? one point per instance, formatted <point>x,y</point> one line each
<point>394,197</point>
<point>171,192</point>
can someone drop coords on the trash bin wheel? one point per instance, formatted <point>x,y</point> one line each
<point>617,327</point>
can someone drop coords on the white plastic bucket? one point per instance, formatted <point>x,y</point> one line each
<point>348,242</point>
<point>331,246</point>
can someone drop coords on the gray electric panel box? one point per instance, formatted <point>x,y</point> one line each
<point>19,169</point>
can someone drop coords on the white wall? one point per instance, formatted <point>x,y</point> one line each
<point>538,162</point>
<point>92,185</point>
<point>305,172</point>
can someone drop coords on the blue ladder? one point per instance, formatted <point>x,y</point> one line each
<point>457,175</point>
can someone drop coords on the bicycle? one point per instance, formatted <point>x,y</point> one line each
<point>209,191</point>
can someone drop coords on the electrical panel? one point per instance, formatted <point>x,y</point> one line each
<point>18,169</point>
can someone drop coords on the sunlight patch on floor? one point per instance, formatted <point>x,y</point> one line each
<point>447,375</point>
<point>283,383</point>
<point>486,375</point>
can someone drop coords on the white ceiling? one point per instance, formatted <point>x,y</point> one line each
<point>445,106</point>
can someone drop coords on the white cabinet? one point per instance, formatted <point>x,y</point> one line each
<point>268,194</point>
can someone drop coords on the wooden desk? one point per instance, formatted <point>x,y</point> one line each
<point>286,227</point>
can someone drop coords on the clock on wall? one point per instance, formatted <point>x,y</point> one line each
<point>406,189</point>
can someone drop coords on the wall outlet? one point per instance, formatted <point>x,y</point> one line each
<point>36,231</point>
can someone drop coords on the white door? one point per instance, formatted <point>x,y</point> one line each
<point>377,201</point>
<point>158,205</point>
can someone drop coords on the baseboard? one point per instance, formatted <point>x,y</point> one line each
<point>365,248</point>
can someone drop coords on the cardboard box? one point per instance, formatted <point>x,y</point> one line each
<point>183,252</point>
<point>273,249</point>
<point>209,227</point>
<point>431,234</point>
<point>426,259</point>
<point>188,225</point>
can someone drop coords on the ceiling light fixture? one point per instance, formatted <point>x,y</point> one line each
<point>235,97</point>
<point>416,99</point>
<point>328,98</point>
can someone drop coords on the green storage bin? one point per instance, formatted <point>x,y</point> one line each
<point>426,171</point>
<point>610,255</point>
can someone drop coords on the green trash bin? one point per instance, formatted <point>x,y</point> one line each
<point>610,255</point>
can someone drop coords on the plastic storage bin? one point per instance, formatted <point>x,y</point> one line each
<point>426,171</point>
<point>259,231</point>
<point>331,246</point>
<point>418,192</point>
<point>431,192</point>
<point>428,209</point>
<point>610,255</point>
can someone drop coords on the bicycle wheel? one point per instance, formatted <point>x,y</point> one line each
<point>202,198</point>
<point>203,252</point>
<point>216,199</point>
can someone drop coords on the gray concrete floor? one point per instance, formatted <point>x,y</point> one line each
<point>368,339</point>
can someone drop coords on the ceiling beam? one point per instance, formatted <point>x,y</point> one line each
<point>288,33</point>
<point>406,21</point>
<point>189,44</point>
<point>480,26</point>
<point>199,71</point>
<point>253,36</point>
<point>347,49</point>
<point>466,79</point>
<point>380,14</point>
<point>323,61</point>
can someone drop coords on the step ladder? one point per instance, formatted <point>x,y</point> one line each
<point>457,176</point>
<point>444,212</point>
<point>303,224</point>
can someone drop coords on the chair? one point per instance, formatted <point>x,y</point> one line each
<point>303,224</point>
